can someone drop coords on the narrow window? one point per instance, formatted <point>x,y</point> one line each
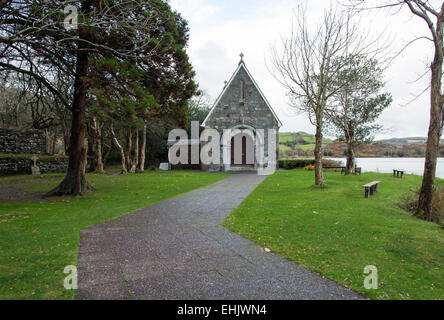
<point>242,94</point>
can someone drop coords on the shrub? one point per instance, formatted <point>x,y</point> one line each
<point>438,206</point>
<point>294,163</point>
<point>409,203</point>
<point>331,163</point>
<point>286,153</point>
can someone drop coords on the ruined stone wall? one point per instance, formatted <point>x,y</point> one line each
<point>21,141</point>
<point>21,165</point>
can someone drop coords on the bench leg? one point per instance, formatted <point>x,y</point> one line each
<point>402,173</point>
<point>393,173</point>
<point>376,188</point>
<point>366,192</point>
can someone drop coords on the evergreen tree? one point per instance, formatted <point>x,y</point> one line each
<point>357,103</point>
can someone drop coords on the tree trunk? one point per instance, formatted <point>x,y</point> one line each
<point>65,149</point>
<point>106,153</point>
<point>99,168</point>
<point>425,201</point>
<point>135,160</point>
<point>84,161</point>
<point>97,128</point>
<point>54,141</point>
<point>48,141</point>
<point>350,160</point>
<point>75,182</point>
<point>141,167</point>
<point>122,151</point>
<point>350,157</point>
<point>319,176</point>
<point>129,147</point>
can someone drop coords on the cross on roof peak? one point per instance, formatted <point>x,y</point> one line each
<point>242,57</point>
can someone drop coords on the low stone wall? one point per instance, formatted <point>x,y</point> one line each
<point>21,165</point>
<point>21,141</point>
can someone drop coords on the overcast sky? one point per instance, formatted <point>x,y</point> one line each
<point>221,30</point>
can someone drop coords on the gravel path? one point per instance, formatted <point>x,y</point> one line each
<point>176,249</point>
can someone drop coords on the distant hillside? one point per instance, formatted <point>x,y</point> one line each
<point>301,144</point>
<point>297,144</point>
<point>382,149</point>
<point>408,140</point>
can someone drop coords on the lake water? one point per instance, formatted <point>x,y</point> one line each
<point>386,165</point>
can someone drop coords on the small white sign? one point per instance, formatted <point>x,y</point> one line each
<point>164,166</point>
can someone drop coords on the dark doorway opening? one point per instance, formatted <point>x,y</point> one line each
<point>242,150</point>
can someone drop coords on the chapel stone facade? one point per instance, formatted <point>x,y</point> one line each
<point>242,105</point>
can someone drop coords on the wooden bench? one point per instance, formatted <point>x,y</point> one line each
<point>342,168</point>
<point>371,188</point>
<point>357,170</point>
<point>398,173</point>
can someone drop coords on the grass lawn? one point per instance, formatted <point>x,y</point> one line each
<point>336,232</point>
<point>39,238</point>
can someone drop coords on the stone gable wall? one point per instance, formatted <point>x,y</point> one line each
<point>20,141</point>
<point>230,112</point>
<point>254,112</point>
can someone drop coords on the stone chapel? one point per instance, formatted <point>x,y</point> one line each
<point>242,105</point>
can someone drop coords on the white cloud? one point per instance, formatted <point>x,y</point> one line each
<point>198,11</point>
<point>219,31</point>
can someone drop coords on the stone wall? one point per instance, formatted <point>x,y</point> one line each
<point>21,141</point>
<point>20,165</point>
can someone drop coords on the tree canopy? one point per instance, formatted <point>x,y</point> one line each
<point>357,102</point>
<point>121,59</point>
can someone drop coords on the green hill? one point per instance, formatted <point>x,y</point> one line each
<point>297,143</point>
